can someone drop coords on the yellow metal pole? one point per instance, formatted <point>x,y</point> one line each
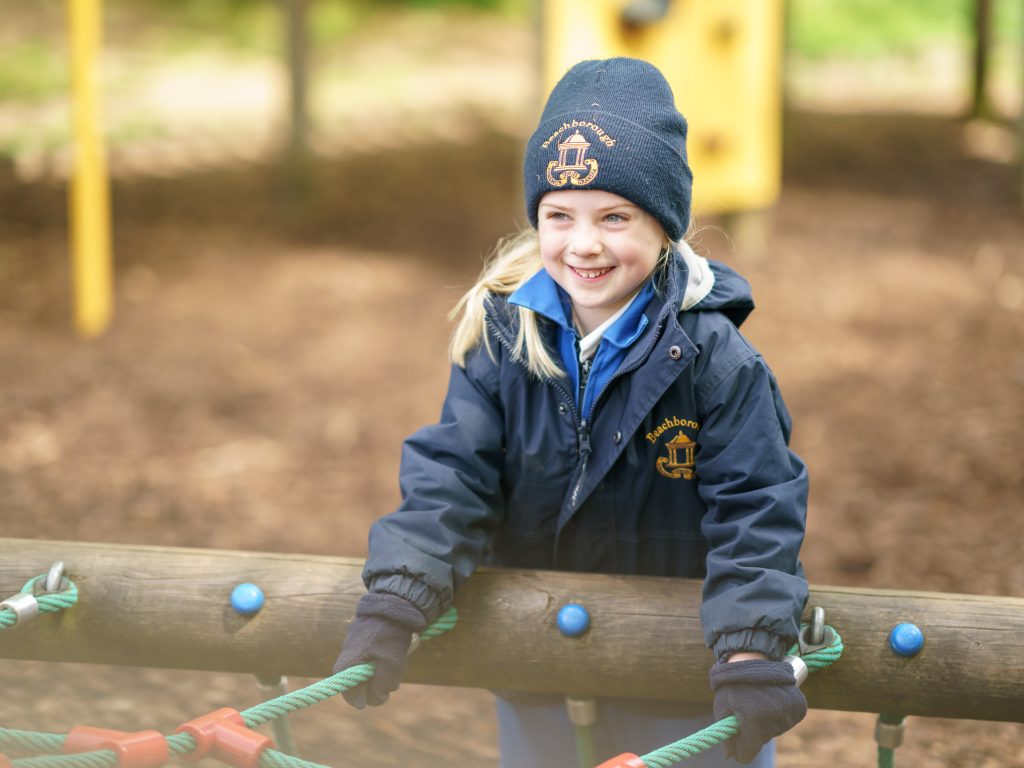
<point>89,201</point>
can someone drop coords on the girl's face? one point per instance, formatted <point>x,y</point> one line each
<point>599,247</point>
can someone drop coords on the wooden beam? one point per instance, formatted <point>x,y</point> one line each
<point>162,607</point>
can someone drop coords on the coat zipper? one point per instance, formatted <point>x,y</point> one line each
<point>583,430</point>
<point>583,434</point>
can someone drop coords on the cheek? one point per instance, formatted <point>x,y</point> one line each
<point>551,244</point>
<point>641,253</point>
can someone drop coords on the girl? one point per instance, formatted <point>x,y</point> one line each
<point>604,414</point>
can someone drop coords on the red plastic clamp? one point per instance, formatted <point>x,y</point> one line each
<point>223,735</point>
<point>625,760</point>
<point>5,761</point>
<point>141,749</point>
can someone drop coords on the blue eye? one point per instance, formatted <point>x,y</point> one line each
<point>615,218</point>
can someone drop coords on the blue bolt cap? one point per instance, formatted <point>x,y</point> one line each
<point>906,639</point>
<point>247,599</point>
<point>573,620</point>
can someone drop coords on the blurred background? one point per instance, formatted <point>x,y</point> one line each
<point>300,192</point>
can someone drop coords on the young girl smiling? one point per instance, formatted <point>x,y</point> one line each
<point>582,340</point>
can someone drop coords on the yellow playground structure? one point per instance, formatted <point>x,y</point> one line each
<point>723,61</point>
<point>733,106</point>
<point>89,199</point>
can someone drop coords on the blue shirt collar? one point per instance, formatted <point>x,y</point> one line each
<point>547,298</point>
<point>627,329</point>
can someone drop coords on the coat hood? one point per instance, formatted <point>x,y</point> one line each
<point>712,286</point>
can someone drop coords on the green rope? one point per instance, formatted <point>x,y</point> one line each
<point>727,727</point>
<point>333,685</point>
<point>584,746</point>
<point>305,697</point>
<point>442,624</point>
<point>824,657</point>
<point>51,602</point>
<point>103,758</point>
<point>182,743</point>
<point>271,758</point>
<point>30,741</point>
<point>694,744</point>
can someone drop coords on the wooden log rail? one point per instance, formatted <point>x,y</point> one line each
<point>162,607</point>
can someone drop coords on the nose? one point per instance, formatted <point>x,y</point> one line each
<point>585,240</point>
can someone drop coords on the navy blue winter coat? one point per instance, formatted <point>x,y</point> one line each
<point>682,468</point>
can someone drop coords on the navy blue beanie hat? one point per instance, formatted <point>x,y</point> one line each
<point>612,124</point>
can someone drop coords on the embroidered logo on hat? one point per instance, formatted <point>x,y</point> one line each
<point>571,160</point>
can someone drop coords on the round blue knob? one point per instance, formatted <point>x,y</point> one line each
<point>573,620</point>
<point>906,639</point>
<point>247,599</point>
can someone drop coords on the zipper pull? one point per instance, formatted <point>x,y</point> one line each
<point>583,432</point>
<point>584,375</point>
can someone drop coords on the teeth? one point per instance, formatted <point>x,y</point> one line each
<point>591,273</point>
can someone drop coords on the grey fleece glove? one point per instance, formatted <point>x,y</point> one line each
<point>765,699</point>
<point>380,634</point>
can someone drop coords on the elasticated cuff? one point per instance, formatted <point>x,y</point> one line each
<point>751,641</point>
<point>398,610</point>
<point>413,590</point>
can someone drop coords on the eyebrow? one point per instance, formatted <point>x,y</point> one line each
<point>602,209</point>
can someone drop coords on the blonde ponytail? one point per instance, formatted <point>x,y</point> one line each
<point>515,260</point>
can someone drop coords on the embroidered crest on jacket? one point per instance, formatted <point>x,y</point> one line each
<point>679,462</point>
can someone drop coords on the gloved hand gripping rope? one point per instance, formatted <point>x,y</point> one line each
<point>812,657</point>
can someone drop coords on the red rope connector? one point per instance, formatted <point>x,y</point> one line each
<point>223,735</point>
<point>141,749</point>
<point>625,760</point>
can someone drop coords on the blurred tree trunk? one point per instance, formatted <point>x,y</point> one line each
<point>297,160</point>
<point>981,106</point>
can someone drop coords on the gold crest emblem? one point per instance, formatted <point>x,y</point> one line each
<point>679,462</point>
<point>571,161</point>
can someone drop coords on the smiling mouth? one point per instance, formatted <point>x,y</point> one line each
<point>591,274</point>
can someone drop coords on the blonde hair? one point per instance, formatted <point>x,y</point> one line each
<point>514,261</point>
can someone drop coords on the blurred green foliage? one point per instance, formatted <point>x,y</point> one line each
<point>242,26</point>
<point>30,71</point>
<point>870,28</point>
<point>33,67</point>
